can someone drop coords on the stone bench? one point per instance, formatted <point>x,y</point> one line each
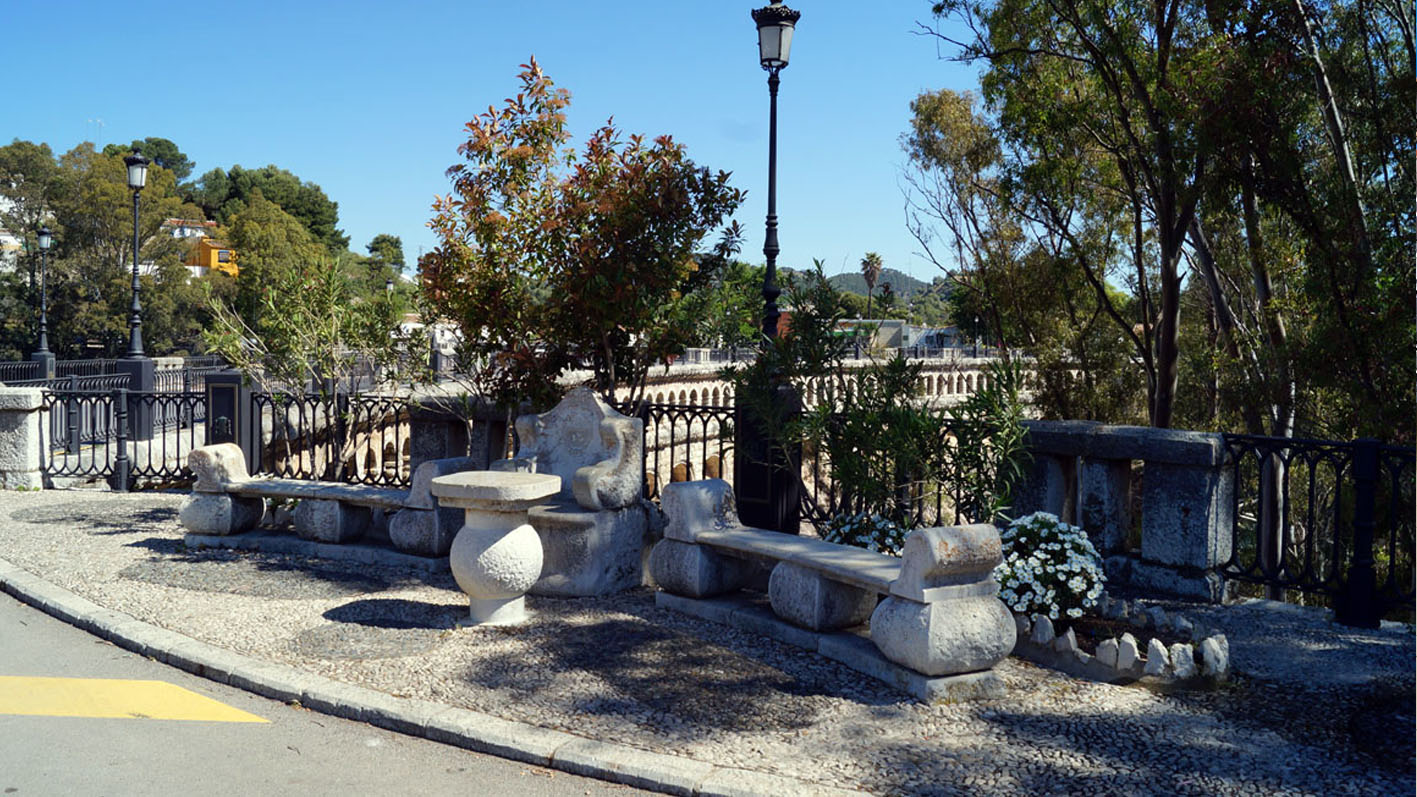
<point>225,500</point>
<point>940,616</point>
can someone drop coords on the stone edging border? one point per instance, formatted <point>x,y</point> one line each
<point>1120,660</point>
<point>464,728</point>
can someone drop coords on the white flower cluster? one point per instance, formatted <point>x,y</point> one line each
<point>869,531</point>
<point>1050,568</point>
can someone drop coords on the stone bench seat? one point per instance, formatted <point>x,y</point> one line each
<point>857,567</point>
<point>940,615</point>
<point>357,494</point>
<point>225,500</point>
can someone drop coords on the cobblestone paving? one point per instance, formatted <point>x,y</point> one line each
<point>1314,708</point>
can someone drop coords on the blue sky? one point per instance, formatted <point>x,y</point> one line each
<point>368,99</point>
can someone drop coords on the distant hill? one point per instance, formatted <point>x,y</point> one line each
<point>904,285</point>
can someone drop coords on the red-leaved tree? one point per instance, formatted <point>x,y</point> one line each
<point>548,258</point>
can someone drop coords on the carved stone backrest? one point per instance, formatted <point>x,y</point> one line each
<point>594,449</point>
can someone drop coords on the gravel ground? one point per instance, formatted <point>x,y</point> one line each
<point>1313,709</point>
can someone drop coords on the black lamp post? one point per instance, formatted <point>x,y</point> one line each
<point>137,178</point>
<point>765,468</point>
<point>976,336</point>
<point>42,356</point>
<point>46,239</point>
<point>775,26</point>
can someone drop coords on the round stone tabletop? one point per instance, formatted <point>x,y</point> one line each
<point>494,489</point>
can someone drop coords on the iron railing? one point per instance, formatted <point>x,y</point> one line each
<point>179,426</point>
<point>89,435</point>
<point>1325,518</point>
<point>82,429</point>
<point>85,367</point>
<point>12,372</point>
<point>683,442</point>
<point>359,439</point>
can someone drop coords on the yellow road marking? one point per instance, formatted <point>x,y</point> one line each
<point>111,697</point>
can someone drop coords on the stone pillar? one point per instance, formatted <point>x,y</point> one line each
<point>229,416</point>
<point>1187,500</point>
<point>1189,511</point>
<point>45,364</point>
<point>21,438</point>
<point>142,382</point>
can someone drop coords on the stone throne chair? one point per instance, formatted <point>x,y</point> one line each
<point>595,532</point>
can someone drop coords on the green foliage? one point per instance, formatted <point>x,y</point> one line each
<point>84,198</point>
<point>988,454</point>
<point>312,327</point>
<point>223,195</point>
<point>1267,146</point>
<point>726,310</point>
<point>162,152</point>
<point>387,251</point>
<point>906,286</point>
<point>548,257</point>
<point>870,271</point>
<point>271,247</point>
<point>888,451</point>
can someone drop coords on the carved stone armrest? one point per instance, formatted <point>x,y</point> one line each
<point>613,483</point>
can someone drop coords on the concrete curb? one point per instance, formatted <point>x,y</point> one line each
<point>472,730</point>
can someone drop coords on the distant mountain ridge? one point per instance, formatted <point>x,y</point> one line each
<point>904,285</point>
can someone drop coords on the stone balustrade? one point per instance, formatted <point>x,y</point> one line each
<point>1084,473</point>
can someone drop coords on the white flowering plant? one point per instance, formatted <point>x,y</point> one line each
<point>1050,568</point>
<point>866,530</point>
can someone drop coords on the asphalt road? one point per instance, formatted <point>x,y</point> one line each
<point>296,752</point>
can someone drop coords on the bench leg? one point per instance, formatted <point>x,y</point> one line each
<point>946,637</point>
<point>694,571</point>
<point>323,520</point>
<point>804,598</point>
<point>220,514</point>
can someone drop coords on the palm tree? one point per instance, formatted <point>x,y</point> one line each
<point>871,270</point>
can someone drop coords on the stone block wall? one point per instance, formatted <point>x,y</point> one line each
<point>1082,472</point>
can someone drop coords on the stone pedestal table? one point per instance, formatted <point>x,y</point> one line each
<point>496,555</point>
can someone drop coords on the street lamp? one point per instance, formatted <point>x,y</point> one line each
<point>46,239</point>
<point>775,26</point>
<point>976,336</point>
<point>137,178</point>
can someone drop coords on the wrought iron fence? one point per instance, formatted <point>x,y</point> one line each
<point>359,439</point>
<point>13,372</point>
<point>683,442</point>
<point>82,427</point>
<point>1326,518</point>
<point>98,367</point>
<point>74,382</point>
<point>89,435</point>
<point>186,379</point>
<point>179,426</point>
